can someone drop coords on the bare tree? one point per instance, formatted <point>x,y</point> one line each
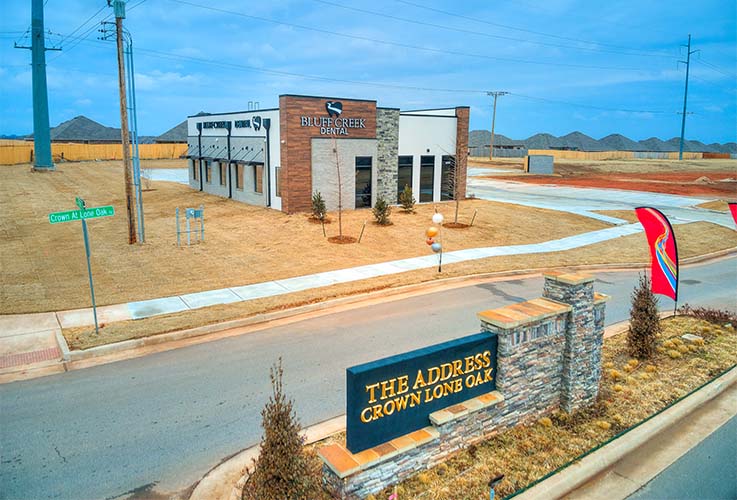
<point>451,185</point>
<point>340,189</point>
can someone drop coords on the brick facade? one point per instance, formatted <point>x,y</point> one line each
<point>296,148</point>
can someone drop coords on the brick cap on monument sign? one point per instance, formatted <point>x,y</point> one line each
<point>521,314</point>
<point>569,278</point>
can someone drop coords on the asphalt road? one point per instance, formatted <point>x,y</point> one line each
<point>708,471</point>
<point>160,422</point>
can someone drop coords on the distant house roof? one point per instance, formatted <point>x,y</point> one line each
<point>178,133</point>
<point>82,129</point>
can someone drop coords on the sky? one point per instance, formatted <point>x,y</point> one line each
<point>568,65</point>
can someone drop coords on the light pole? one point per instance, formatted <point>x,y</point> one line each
<point>494,94</point>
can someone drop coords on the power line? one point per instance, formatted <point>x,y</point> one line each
<point>589,106</point>
<point>83,24</point>
<point>477,33</point>
<point>541,33</point>
<point>716,68</point>
<point>405,45</point>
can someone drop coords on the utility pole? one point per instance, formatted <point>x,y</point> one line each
<point>41,135</point>
<point>119,10</point>
<point>687,62</point>
<point>495,94</point>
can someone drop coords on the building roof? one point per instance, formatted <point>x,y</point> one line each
<point>83,129</point>
<point>178,133</point>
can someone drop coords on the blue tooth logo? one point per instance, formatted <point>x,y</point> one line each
<point>256,123</point>
<point>334,108</point>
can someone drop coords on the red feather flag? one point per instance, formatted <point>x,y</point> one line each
<point>663,251</point>
<point>733,209</point>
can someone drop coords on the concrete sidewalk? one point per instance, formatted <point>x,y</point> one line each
<point>168,305</point>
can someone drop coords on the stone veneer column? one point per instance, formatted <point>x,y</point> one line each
<point>583,338</point>
<point>463,114</point>
<point>387,161</point>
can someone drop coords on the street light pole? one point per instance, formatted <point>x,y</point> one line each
<point>495,94</point>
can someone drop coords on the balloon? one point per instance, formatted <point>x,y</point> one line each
<point>437,218</point>
<point>429,241</point>
<point>431,231</point>
<point>436,247</point>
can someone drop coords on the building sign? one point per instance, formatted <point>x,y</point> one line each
<point>254,122</point>
<point>333,124</point>
<point>221,124</point>
<point>395,396</point>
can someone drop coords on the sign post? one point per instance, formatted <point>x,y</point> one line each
<point>83,214</point>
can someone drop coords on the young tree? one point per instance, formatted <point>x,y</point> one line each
<point>407,200</point>
<point>644,321</point>
<point>340,189</point>
<point>319,211</point>
<point>382,211</point>
<point>283,470</point>
<point>451,185</point>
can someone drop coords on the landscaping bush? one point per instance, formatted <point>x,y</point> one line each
<point>283,469</point>
<point>644,321</point>
<point>382,211</point>
<point>716,316</point>
<point>319,211</point>
<point>407,200</point>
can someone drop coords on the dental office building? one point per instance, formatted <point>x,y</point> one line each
<point>278,157</point>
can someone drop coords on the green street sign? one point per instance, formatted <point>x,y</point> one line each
<point>87,213</point>
<point>80,202</point>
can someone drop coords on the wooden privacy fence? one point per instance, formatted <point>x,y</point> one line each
<point>614,155</point>
<point>21,152</point>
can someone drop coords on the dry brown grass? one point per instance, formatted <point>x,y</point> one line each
<point>527,453</point>
<point>628,215</point>
<point>694,239</point>
<point>43,265</point>
<point>718,205</point>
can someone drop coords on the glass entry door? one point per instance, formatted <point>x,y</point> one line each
<point>427,176</point>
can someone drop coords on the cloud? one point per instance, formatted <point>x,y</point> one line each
<point>83,102</point>
<point>164,81</point>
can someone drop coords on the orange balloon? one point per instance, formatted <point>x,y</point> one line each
<point>431,231</point>
<point>430,241</point>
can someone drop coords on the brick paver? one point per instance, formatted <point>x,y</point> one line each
<point>27,358</point>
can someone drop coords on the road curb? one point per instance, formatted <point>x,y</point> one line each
<point>214,485</point>
<point>222,480</point>
<point>581,471</point>
<point>424,288</point>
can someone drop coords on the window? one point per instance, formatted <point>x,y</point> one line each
<point>363,181</point>
<point>404,174</point>
<point>223,173</point>
<point>427,176</point>
<point>277,180</point>
<point>258,178</point>
<point>208,171</point>
<point>239,176</point>
<point>196,165</point>
<point>448,178</point>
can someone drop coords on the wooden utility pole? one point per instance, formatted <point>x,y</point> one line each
<point>119,9</point>
<point>495,94</point>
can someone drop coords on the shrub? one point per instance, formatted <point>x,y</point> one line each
<point>407,200</point>
<point>283,470</point>
<point>715,316</point>
<point>382,211</point>
<point>644,321</point>
<point>319,211</point>
<point>545,422</point>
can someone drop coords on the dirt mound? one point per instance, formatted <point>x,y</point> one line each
<point>704,180</point>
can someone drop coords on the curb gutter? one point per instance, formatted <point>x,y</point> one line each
<point>582,471</point>
<point>424,288</point>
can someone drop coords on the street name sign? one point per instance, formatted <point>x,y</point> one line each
<point>87,213</point>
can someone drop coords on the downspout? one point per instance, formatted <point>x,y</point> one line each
<point>267,160</point>
<point>199,155</point>
<point>230,173</point>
